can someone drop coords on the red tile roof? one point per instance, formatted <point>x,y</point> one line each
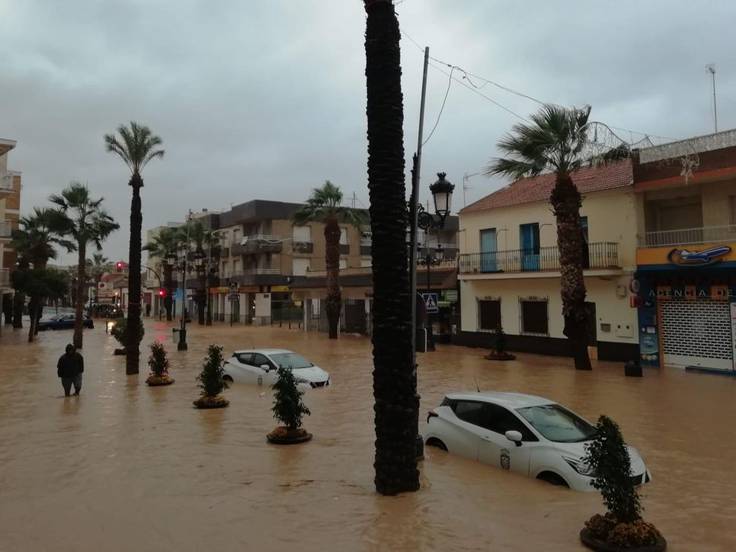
<point>539,188</point>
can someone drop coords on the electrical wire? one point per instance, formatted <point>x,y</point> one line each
<point>442,107</point>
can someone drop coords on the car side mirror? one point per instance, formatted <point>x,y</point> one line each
<point>514,436</point>
<point>265,367</point>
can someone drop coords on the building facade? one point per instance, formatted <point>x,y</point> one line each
<point>10,190</point>
<point>686,257</point>
<point>509,268</point>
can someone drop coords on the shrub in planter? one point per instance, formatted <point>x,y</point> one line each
<point>158,362</point>
<point>622,527</point>
<point>120,332</point>
<point>211,381</point>
<point>288,408</point>
<point>499,346</point>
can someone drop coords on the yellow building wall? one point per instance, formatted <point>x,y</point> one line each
<point>612,217</point>
<point>610,296</point>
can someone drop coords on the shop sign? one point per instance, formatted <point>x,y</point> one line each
<point>450,295</point>
<point>685,257</point>
<point>276,289</point>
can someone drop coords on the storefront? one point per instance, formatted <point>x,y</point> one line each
<point>686,300</point>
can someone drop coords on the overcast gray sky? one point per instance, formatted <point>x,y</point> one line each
<point>267,99</point>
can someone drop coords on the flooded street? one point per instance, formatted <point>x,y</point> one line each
<point>127,467</point>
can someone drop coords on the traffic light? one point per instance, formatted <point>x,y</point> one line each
<point>119,266</point>
<point>162,293</point>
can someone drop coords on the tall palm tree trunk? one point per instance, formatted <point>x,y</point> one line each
<point>566,201</point>
<point>394,375</point>
<point>169,286</point>
<point>34,306</point>
<point>134,277</point>
<point>79,303</point>
<point>332,264</point>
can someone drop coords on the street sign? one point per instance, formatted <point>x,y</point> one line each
<point>430,301</point>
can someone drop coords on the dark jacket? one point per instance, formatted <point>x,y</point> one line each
<point>69,365</point>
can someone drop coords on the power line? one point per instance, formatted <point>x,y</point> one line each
<point>442,107</point>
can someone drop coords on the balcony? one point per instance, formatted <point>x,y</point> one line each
<point>5,229</point>
<point>689,236</point>
<point>257,243</point>
<point>602,256</point>
<point>257,277</point>
<point>4,277</point>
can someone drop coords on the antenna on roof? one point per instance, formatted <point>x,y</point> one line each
<point>711,68</point>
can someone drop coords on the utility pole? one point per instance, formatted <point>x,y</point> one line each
<point>413,211</point>
<point>711,68</point>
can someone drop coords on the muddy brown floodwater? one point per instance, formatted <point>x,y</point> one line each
<point>127,467</point>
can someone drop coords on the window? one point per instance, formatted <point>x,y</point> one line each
<point>534,316</point>
<point>244,358</point>
<point>500,420</point>
<point>470,411</point>
<point>343,236</point>
<point>302,234</point>
<point>489,314</point>
<point>259,360</point>
<point>300,267</point>
<point>236,267</point>
<point>557,423</point>
<point>366,263</point>
<point>343,263</point>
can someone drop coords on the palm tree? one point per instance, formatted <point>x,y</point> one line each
<point>84,220</point>
<point>136,146</point>
<point>557,140</point>
<point>325,206</point>
<point>394,375</point>
<point>203,239</point>
<point>164,246</point>
<point>34,242</point>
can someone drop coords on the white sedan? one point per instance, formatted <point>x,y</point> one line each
<point>260,367</point>
<point>523,433</point>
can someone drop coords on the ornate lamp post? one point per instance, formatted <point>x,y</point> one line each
<point>442,196</point>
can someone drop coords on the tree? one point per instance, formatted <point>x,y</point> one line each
<point>324,206</point>
<point>211,380</point>
<point>34,243</point>
<point>136,145</point>
<point>556,141</point>
<point>394,375</point>
<point>85,221</point>
<point>203,239</point>
<point>164,246</point>
<point>120,332</point>
<point>608,458</point>
<point>288,407</point>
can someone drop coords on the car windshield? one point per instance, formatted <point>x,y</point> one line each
<point>557,424</point>
<point>291,361</point>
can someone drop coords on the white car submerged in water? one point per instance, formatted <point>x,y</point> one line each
<point>260,367</point>
<point>523,433</point>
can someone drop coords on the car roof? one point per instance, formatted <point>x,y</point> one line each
<point>263,351</point>
<point>509,400</point>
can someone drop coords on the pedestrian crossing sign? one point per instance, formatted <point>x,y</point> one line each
<point>430,302</point>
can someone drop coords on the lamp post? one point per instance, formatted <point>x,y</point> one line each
<point>442,196</point>
<point>182,345</point>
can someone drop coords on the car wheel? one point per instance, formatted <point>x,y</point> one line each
<point>434,442</point>
<point>228,379</point>
<point>553,478</point>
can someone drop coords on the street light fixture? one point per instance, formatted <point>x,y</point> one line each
<point>442,195</point>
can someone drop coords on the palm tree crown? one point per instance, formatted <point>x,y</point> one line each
<point>136,147</point>
<point>164,244</point>
<point>35,239</point>
<point>325,204</point>
<point>556,140</point>
<point>81,217</point>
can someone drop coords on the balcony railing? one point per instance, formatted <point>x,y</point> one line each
<point>5,229</point>
<point>254,271</point>
<point>4,277</point>
<point>258,243</point>
<point>302,246</point>
<point>600,255</point>
<point>688,236</point>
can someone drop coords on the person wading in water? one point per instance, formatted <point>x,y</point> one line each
<point>69,369</point>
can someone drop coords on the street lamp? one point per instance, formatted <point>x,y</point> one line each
<point>442,195</point>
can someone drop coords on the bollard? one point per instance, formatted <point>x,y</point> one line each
<point>632,369</point>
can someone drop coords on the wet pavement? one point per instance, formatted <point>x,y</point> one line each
<point>127,467</point>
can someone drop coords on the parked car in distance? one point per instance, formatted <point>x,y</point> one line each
<point>63,322</point>
<point>527,434</point>
<point>260,367</point>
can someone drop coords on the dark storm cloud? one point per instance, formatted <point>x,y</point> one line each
<point>267,99</point>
